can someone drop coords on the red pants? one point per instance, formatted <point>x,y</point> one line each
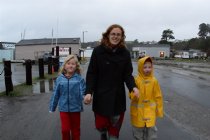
<point>70,125</point>
<point>110,124</point>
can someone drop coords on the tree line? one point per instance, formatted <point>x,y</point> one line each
<point>202,42</point>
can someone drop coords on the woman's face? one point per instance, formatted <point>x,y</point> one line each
<point>115,36</point>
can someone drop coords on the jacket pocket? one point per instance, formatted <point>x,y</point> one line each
<point>133,111</point>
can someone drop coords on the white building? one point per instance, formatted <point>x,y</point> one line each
<point>88,52</point>
<point>152,50</point>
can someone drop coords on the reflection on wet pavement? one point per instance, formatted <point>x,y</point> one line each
<point>43,86</point>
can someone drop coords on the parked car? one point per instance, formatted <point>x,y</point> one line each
<point>46,55</point>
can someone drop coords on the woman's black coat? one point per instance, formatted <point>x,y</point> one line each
<point>106,74</point>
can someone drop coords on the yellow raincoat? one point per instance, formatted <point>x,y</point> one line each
<point>144,110</point>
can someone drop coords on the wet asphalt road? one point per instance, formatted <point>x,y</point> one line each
<point>187,86</point>
<point>27,118</point>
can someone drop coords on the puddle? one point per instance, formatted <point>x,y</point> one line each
<point>44,86</point>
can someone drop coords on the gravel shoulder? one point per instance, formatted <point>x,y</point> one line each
<point>192,66</point>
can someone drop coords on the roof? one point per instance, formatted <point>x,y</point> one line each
<point>47,41</point>
<point>3,42</point>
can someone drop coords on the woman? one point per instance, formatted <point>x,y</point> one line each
<point>110,66</point>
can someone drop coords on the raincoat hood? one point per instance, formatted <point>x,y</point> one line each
<point>141,66</point>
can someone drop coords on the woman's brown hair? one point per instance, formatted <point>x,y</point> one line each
<point>105,36</point>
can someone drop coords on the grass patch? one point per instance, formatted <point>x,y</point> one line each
<point>191,60</point>
<point>18,90</point>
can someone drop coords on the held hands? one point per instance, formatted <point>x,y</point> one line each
<point>136,93</point>
<point>88,99</point>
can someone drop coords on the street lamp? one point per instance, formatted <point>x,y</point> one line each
<point>83,36</point>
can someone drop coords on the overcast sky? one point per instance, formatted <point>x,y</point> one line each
<point>142,19</point>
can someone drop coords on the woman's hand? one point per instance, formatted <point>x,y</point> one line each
<point>88,99</point>
<point>136,93</point>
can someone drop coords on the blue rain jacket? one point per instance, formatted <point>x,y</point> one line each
<point>68,94</point>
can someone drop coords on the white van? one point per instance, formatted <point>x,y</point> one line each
<point>185,55</point>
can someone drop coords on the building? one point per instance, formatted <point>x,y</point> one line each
<point>7,51</point>
<point>153,50</point>
<point>36,48</point>
<point>88,52</point>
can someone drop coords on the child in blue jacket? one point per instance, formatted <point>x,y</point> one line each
<point>68,95</point>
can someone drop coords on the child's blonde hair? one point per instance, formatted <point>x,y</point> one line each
<point>69,57</point>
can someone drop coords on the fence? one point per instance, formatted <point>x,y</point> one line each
<point>19,73</point>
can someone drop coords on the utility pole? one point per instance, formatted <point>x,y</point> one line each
<point>83,36</point>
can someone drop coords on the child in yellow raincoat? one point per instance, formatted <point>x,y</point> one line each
<point>149,105</point>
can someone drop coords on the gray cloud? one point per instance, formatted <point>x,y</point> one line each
<point>142,19</point>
